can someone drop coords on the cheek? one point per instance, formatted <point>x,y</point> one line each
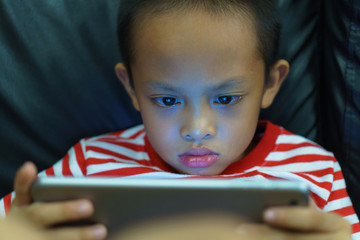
<point>234,133</point>
<point>237,133</point>
<point>162,131</point>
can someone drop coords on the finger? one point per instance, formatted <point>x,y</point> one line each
<point>96,232</point>
<point>47,214</point>
<point>312,204</point>
<point>305,219</point>
<point>25,176</point>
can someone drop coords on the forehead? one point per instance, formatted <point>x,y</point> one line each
<point>195,42</point>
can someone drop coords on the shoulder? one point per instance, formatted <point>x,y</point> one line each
<point>296,157</point>
<point>127,143</point>
<point>288,144</point>
<point>133,134</point>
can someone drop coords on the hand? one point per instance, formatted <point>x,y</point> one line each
<point>44,215</point>
<point>16,229</point>
<point>298,223</point>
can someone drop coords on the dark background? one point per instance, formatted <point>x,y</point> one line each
<point>57,82</point>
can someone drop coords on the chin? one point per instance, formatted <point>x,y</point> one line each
<point>202,172</point>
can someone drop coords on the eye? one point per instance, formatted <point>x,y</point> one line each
<point>166,101</point>
<point>227,100</point>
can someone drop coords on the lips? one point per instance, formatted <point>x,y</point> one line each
<point>199,157</point>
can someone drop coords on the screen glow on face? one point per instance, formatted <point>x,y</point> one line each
<point>169,101</point>
<point>199,89</point>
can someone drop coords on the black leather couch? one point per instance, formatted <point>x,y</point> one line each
<point>57,82</point>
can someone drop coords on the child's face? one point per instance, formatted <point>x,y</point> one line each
<point>199,84</point>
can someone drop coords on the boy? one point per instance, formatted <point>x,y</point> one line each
<point>199,71</point>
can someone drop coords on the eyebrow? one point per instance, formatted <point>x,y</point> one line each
<point>162,86</point>
<point>228,84</point>
<point>231,83</point>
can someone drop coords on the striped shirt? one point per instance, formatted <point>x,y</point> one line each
<point>278,155</point>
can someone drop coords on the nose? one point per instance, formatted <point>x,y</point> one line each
<point>198,127</point>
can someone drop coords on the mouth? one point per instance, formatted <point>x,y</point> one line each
<point>199,157</point>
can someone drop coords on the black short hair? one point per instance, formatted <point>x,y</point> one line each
<point>264,13</point>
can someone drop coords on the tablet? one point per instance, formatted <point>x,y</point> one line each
<point>120,202</point>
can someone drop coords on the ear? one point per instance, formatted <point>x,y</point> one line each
<point>277,75</point>
<point>123,76</point>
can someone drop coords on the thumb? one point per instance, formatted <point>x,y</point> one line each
<point>24,178</point>
<point>305,219</point>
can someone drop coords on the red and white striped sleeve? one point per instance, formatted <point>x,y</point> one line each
<point>297,158</point>
<point>73,164</point>
<point>340,202</point>
<point>5,204</point>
